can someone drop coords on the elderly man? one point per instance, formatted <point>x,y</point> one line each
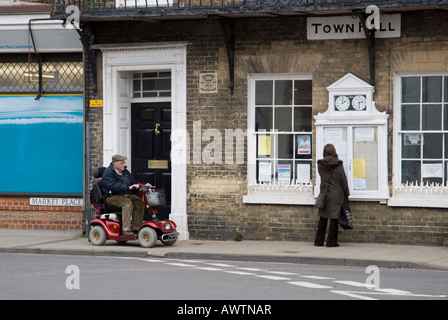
<point>118,184</point>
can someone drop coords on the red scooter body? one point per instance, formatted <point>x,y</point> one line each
<point>107,225</point>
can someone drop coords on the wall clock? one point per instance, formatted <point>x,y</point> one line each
<point>342,103</point>
<point>359,102</point>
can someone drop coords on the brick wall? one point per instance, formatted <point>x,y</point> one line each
<point>16,213</point>
<point>278,45</point>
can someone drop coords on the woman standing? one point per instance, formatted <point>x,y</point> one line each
<point>332,177</point>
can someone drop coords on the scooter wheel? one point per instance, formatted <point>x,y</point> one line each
<point>97,236</point>
<point>147,237</point>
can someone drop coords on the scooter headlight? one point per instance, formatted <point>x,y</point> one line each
<point>167,226</point>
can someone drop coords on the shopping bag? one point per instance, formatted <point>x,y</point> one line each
<point>345,219</point>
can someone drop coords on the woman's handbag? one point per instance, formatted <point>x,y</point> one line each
<point>345,219</point>
<point>320,200</point>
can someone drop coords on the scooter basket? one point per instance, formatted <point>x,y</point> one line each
<point>155,199</point>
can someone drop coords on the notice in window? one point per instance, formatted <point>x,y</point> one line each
<point>264,171</point>
<point>264,145</point>
<point>364,134</point>
<point>432,170</point>
<point>359,167</point>
<point>359,173</point>
<point>303,173</point>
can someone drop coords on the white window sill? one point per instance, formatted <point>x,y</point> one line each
<point>279,194</point>
<point>429,196</point>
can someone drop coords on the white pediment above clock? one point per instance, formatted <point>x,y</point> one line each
<point>351,82</point>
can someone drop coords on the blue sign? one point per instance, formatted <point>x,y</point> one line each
<point>41,144</point>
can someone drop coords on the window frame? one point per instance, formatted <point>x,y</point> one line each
<point>410,194</point>
<point>274,193</point>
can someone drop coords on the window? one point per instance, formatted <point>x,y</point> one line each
<point>151,85</point>
<point>424,130</point>
<point>61,73</point>
<point>420,140</point>
<point>283,130</point>
<point>280,131</point>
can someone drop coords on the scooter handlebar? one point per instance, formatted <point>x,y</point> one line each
<point>146,187</point>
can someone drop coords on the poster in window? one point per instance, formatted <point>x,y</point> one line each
<point>45,143</point>
<point>303,144</point>
<point>284,173</point>
<point>412,139</point>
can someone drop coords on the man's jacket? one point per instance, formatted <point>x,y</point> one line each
<point>113,183</point>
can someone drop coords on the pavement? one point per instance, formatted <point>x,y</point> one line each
<point>347,254</point>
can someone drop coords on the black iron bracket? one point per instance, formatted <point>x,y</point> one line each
<point>227,28</point>
<point>39,58</point>
<point>370,37</point>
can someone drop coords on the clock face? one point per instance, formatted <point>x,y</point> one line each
<point>342,103</point>
<point>359,103</point>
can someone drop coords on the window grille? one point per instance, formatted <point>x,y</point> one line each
<point>60,74</point>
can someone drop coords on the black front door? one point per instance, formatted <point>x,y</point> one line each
<point>151,147</point>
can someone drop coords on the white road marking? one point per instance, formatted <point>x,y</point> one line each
<point>317,277</point>
<point>243,273</point>
<point>352,283</point>
<point>350,294</point>
<point>178,264</point>
<point>309,285</point>
<point>353,294</point>
<point>210,269</point>
<point>272,277</point>
<point>283,273</point>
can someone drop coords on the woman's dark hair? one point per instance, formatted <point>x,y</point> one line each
<point>330,150</point>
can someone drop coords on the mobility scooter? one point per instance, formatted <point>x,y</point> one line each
<point>107,224</point>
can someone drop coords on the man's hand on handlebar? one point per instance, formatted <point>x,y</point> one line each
<point>134,187</point>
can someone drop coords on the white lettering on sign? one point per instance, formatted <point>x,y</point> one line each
<point>347,27</point>
<point>59,202</point>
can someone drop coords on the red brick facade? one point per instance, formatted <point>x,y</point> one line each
<point>17,213</point>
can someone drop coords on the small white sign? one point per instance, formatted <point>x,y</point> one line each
<point>347,27</point>
<point>57,202</point>
<point>432,170</point>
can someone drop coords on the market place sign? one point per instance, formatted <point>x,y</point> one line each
<point>348,27</point>
<point>58,202</point>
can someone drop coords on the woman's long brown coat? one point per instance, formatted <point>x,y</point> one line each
<point>337,186</point>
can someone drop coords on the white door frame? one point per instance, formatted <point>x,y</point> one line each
<point>119,62</point>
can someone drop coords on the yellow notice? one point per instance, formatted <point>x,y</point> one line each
<point>264,145</point>
<point>359,167</point>
<point>96,103</point>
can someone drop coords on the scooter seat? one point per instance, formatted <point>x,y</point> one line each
<point>110,208</point>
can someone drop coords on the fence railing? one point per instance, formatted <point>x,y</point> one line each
<point>164,6</point>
